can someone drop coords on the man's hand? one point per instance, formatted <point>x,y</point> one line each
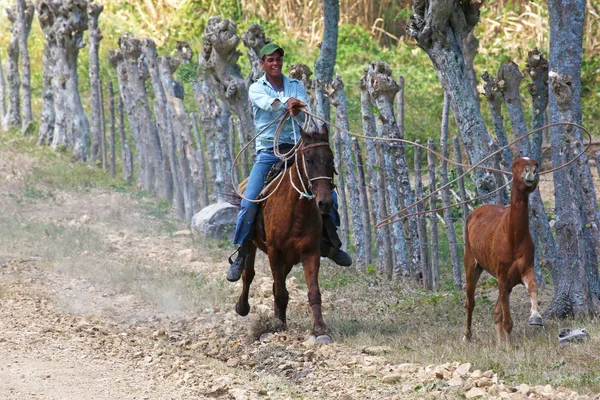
<point>295,105</point>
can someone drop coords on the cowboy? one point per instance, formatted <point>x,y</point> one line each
<point>270,95</point>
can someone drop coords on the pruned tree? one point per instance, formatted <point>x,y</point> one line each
<point>63,23</point>
<point>326,61</point>
<point>48,117</point>
<point>94,11</point>
<point>220,62</point>
<point>382,89</point>
<point>537,69</point>
<point>303,73</point>
<point>2,92</point>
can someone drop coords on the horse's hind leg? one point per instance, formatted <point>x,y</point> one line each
<point>473,272</point>
<point>242,307</point>
<point>498,321</point>
<point>280,293</point>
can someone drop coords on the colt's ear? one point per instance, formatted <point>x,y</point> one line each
<point>324,131</point>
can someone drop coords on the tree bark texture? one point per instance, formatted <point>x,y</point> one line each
<point>337,96</point>
<point>112,134</point>
<point>439,26</point>
<point>470,45</point>
<point>12,118</point>
<point>126,157</point>
<point>383,89</point>
<point>64,22</point>
<point>220,56</point>
<point>201,161</point>
<point>25,11</point>
<point>575,271</point>
<point>48,117</point>
<point>422,223</point>
<point>326,62</point>
<point>254,39</point>
<point>434,247</point>
<point>2,92</point>
<point>452,245</point>
<point>537,69</point>
<point>94,11</point>
<point>376,174</point>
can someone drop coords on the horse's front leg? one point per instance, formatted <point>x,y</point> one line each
<point>242,307</point>
<point>311,265</point>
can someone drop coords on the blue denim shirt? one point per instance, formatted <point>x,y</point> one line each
<point>262,96</point>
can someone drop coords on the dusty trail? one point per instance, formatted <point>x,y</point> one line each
<point>97,301</point>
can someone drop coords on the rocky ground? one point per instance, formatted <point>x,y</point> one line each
<point>86,312</point>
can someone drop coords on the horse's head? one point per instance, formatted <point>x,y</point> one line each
<point>317,159</point>
<point>525,173</point>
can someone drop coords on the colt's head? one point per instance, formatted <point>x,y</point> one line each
<point>318,164</point>
<point>525,172</point>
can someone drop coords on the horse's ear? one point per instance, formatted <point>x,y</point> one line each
<point>324,131</point>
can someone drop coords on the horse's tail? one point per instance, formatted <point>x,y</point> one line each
<point>231,196</point>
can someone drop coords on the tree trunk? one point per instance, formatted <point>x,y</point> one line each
<point>452,245</point>
<point>422,223</point>
<point>94,11</point>
<point>494,96</point>
<point>2,92</point>
<point>167,136</point>
<point>575,271</point>
<point>440,27</point>
<point>126,157</point>
<point>48,117</point>
<point>434,248</point>
<point>111,114</point>
<point>338,98</point>
<point>383,89</point>
<point>25,11</point>
<point>326,62</point>
<point>12,118</point>
<point>470,44</point>
<point>199,153</point>
<point>461,183</point>
<point>303,73</point>
<point>376,174</point>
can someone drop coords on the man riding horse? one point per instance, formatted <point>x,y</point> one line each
<point>270,95</point>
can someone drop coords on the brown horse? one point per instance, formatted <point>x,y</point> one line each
<point>498,240</point>
<point>293,226</point>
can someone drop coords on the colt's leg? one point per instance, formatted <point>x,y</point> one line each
<point>531,285</point>
<point>507,323</point>
<point>473,272</point>
<point>278,270</point>
<point>311,273</point>
<point>498,321</point>
<point>242,307</point>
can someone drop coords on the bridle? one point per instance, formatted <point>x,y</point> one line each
<point>309,193</point>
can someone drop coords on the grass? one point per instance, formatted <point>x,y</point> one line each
<point>426,328</point>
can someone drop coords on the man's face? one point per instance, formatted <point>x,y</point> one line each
<point>272,65</point>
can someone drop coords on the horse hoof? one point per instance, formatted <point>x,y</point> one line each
<point>243,310</point>
<point>323,339</point>
<point>536,321</point>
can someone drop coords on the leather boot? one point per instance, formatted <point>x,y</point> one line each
<point>234,272</point>
<point>331,244</point>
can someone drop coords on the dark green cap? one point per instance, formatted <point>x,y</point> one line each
<point>269,49</point>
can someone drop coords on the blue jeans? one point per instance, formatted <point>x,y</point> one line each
<point>265,159</point>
